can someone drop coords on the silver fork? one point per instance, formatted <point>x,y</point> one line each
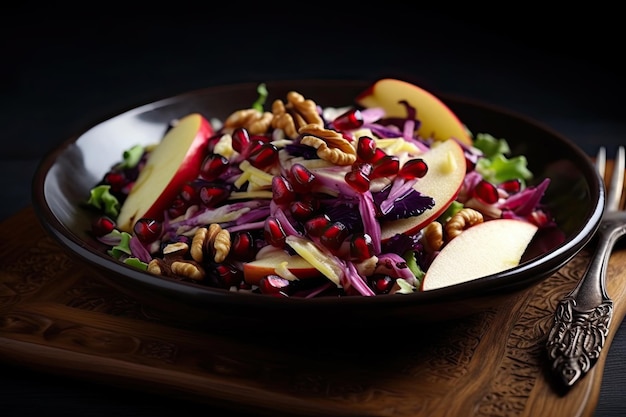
<point>582,318</point>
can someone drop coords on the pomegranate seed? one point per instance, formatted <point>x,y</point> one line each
<point>212,142</point>
<point>243,285</point>
<point>147,230</point>
<point>273,284</point>
<point>102,225</point>
<point>126,189</point>
<point>366,148</point>
<point>178,207</point>
<point>361,246</point>
<point>414,168</point>
<point>274,233</point>
<point>486,192</point>
<point>226,275</point>
<point>358,180</point>
<point>334,235</point>
<point>350,120</point>
<point>240,139</point>
<point>253,148</point>
<point>213,194</point>
<point>213,166</point>
<point>386,166</point>
<point>382,284</point>
<point>378,155</point>
<point>312,200</point>
<point>512,186</point>
<point>282,191</point>
<point>116,180</point>
<point>539,218</point>
<point>242,246</point>
<point>263,156</point>
<point>301,210</point>
<point>302,178</point>
<point>189,194</point>
<point>316,225</point>
<point>365,167</point>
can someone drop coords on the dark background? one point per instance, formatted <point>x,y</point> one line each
<point>61,70</point>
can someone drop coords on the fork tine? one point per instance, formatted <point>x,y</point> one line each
<point>616,187</point>
<point>601,161</point>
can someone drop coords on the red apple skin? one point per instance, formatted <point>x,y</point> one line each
<point>267,261</point>
<point>440,121</point>
<point>188,170</point>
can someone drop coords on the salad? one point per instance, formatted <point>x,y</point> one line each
<point>297,200</point>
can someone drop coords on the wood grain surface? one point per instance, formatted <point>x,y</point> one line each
<point>59,316</point>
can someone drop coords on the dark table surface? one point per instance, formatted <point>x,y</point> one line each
<point>58,73</point>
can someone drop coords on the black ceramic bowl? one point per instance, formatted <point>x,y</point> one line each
<point>65,176</point>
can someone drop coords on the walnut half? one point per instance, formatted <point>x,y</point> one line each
<point>213,241</point>
<point>331,145</point>
<point>297,112</point>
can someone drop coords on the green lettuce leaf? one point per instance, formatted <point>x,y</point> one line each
<point>101,198</point>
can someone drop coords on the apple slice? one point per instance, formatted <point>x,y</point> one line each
<point>174,161</point>
<point>443,181</point>
<point>271,258</point>
<point>484,249</point>
<point>318,256</point>
<point>436,119</point>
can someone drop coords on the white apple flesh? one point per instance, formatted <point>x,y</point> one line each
<point>436,119</point>
<point>174,161</point>
<point>483,249</point>
<point>446,171</point>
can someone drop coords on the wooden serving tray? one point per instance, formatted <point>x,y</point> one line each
<point>58,316</point>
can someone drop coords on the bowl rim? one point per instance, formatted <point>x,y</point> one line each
<point>509,280</point>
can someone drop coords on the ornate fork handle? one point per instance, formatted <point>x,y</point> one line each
<point>582,319</point>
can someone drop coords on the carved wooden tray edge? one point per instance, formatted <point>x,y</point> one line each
<point>41,332</point>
